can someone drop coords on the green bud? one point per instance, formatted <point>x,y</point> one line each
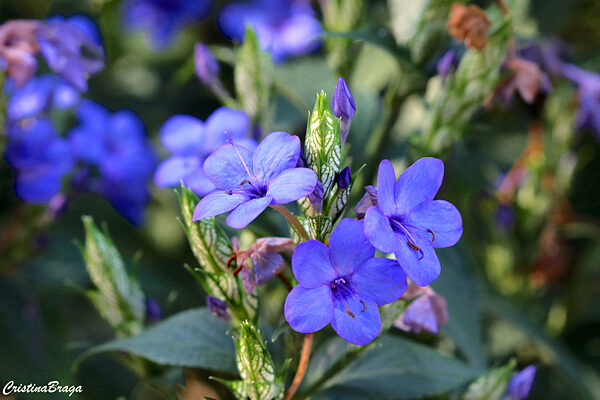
<point>118,298</point>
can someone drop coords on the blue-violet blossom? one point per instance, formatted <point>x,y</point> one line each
<point>207,67</point>
<point>161,20</point>
<point>408,222</point>
<point>426,312</point>
<point>190,141</point>
<point>248,182</point>
<point>285,28</point>
<point>520,385</point>
<point>342,285</point>
<point>588,83</point>
<point>343,107</point>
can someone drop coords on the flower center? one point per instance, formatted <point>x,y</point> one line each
<point>342,291</point>
<point>249,186</point>
<point>400,227</point>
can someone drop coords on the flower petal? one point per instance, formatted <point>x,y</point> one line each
<point>442,218</point>
<point>422,270</point>
<point>225,168</point>
<point>308,309</point>
<point>277,152</point>
<point>218,202</point>
<point>183,135</point>
<point>380,279</point>
<point>292,184</point>
<point>247,212</point>
<point>386,181</point>
<point>311,264</point>
<point>379,232</point>
<point>199,183</point>
<point>174,169</point>
<point>419,182</point>
<point>349,248</point>
<point>363,328</point>
<point>224,119</point>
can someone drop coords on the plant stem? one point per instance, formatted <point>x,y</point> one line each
<point>291,219</point>
<point>302,365</point>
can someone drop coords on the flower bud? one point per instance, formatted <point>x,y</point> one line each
<point>207,67</point>
<point>368,200</point>
<point>343,107</point>
<point>520,385</point>
<point>153,311</point>
<point>316,197</point>
<point>218,308</point>
<point>344,178</point>
<point>427,312</point>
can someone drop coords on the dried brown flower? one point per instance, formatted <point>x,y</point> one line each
<point>469,24</point>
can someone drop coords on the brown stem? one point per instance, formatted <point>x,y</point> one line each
<point>302,365</point>
<point>291,219</point>
<point>285,280</point>
<point>503,7</point>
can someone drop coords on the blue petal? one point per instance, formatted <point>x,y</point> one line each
<point>38,185</point>
<point>276,153</point>
<point>175,169</point>
<point>225,168</point>
<point>421,269</point>
<point>309,309</point>
<point>183,135</point>
<point>224,119</point>
<point>379,232</point>
<point>247,212</point>
<point>311,264</point>
<point>440,217</point>
<point>92,114</point>
<point>199,183</point>
<point>292,184</point>
<point>380,279</point>
<point>299,35</point>
<point>363,328</point>
<point>386,181</point>
<point>349,248</point>
<point>218,202</point>
<point>418,183</point>
<point>426,312</point>
<point>520,385</point>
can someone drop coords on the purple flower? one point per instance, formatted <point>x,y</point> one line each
<point>72,48</point>
<point>448,62</point>
<point>248,182</point>
<point>117,146</point>
<point>588,83</point>
<point>368,200</point>
<point>40,95</point>
<point>285,28</point>
<point>207,67</point>
<point>18,48</point>
<point>40,157</point>
<point>267,262</point>
<point>344,178</point>
<point>427,312</point>
<point>520,385</point>
<point>190,141</point>
<point>218,308</point>
<point>408,222</point>
<point>153,311</point>
<point>316,197</point>
<point>546,54</point>
<point>342,284</point>
<point>161,20</point>
<point>343,107</point>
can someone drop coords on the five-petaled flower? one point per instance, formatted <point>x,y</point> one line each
<point>343,285</point>
<point>408,222</point>
<point>248,182</point>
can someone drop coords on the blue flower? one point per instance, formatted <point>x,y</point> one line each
<point>342,284</point>
<point>72,48</point>
<point>207,67</point>
<point>40,157</point>
<point>248,182</point>
<point>408,222</point>
<point>285,28</point>
<point>116,145</point>
<point>447,62</point>
<point>40,95</point>
<point>190,141</point>
<point>426,312</point>
<point>161,20</point>
<point>520,385</point>
<point>343,107</point>
<point>588,83</point>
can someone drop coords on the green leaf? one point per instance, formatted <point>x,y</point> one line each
<point>393,368</point>
<point>211,247</point>
<point>323,145</point>
<point>119,298</point>
<point>192,338</point>
<point>492,385</point>
<point>253,76</point>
